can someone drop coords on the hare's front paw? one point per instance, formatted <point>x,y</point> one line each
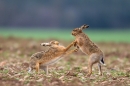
<point>75,43</point>
<point>76,50</point>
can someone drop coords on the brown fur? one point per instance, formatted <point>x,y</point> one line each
<point>53,54</point>
<point>89,48</point>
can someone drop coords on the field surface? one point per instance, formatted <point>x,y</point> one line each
<point>16,47</point>
<point>69,71</point>
<point>63,34</point>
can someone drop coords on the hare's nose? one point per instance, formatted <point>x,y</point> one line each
<point>42,44</point>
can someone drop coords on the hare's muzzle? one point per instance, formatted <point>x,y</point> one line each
<point>45,44</point>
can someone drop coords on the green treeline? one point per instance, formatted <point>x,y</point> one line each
<point>65,13</point>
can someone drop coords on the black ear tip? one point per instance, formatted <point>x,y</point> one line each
<point>86,25</point>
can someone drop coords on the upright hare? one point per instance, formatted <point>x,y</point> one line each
<point>53,54</point>
<point>83,42</point>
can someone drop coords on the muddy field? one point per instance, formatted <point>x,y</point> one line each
<point>69,71</point>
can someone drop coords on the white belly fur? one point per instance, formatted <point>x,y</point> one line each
<point>53,61</point>
<point>83,51</point>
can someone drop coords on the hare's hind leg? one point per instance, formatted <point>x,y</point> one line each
<point>29,70</point>
<point>90,64</point>
<point>100,70</point>
<point>94,58</point>
<point>31,67</point>
<point>37,67</point>
<point>45,68</point>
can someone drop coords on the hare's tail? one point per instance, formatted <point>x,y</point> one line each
<point>102,62</point>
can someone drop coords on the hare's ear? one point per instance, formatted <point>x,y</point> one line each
<point>84,26</point>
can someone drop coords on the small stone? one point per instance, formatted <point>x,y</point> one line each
<point>40,80</point>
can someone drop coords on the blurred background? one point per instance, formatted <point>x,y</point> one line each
<point>50,18</point>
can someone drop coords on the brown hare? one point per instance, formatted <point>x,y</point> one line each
<point>83,42</point>
<point>53,54</point>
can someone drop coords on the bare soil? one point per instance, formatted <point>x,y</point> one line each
<point>69,71</point>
